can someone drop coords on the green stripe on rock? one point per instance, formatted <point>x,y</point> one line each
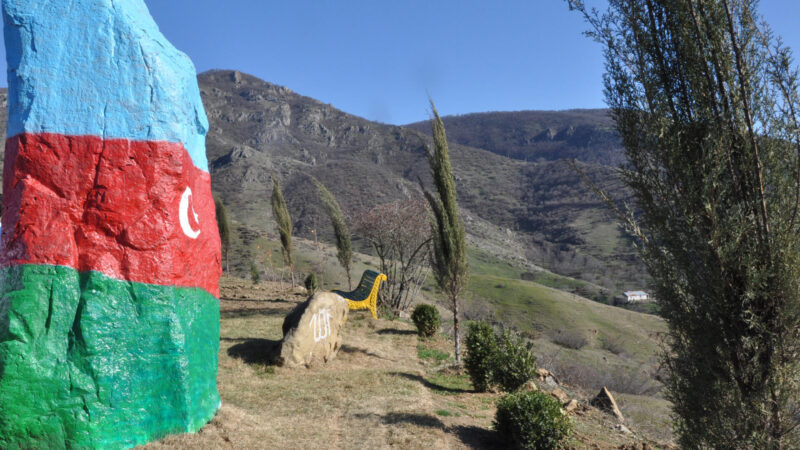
<point>89,361</point>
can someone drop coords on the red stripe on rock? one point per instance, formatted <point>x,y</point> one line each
<point>112,206</point>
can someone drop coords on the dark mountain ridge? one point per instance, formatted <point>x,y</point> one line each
<point>583,134</point>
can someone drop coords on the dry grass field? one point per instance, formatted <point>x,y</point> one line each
<point>386,388</point>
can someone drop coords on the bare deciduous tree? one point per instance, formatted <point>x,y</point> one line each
<point>400,233</point>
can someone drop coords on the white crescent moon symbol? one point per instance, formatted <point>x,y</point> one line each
<point>184,215</point>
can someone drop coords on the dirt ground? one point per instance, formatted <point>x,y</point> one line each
<point>386,388</point>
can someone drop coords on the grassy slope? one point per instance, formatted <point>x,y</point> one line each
<point>542,306</point>
<point>531,306</point>
<point>587,344</point>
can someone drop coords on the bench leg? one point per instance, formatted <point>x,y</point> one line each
<point>373,307</point>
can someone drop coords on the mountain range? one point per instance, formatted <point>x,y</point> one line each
<point>521,200</point>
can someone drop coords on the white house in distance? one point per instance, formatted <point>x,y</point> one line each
<point>636,296</point>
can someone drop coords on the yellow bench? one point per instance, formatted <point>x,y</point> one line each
<point>365,296</point>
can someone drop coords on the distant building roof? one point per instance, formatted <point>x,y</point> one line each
<point>636,293</point>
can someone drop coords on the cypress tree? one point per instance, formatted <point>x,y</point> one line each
<point>284,222</point>
<point>344,249</point>
<point>449,256</point>
<point>224,226</point>
<point>706,102</point>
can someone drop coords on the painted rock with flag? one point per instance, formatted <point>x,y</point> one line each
<point>109,317</point>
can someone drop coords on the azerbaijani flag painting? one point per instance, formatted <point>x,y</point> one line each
<point>109,312</point>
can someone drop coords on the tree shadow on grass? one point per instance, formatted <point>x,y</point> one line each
<point>351,350</point>
<point>396,332</point>
<point>471,436</point>
<point>422,420</point>
<point>256,351</point>
<point>477,437</point>
<point>428,384</point>
<point>247,312</point>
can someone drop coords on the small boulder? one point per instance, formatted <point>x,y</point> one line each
<point>312,331</point>
<point>605,401</point>
<point>546,376</point>
<point>623,429</point>
<point>560,395</point>
<point>530,386</point>
<point>572,405</point>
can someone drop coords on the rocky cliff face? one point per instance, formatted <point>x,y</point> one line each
<point>258,129</point>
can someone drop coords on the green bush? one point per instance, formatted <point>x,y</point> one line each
<point>482,351</point>
<point>531,420</point>
<point>255,274</point>
<point>514,364</point>
<point>427,320</point>
<point>311,283</point>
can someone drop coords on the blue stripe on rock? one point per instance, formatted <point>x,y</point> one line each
<point>75,68</point>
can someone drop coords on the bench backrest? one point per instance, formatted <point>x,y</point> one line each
<point>364,287</point>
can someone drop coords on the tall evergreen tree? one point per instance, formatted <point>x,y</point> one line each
<point>284,222</point>
<point>344,248</point>
<point>449,256</point>
<point>224,226</point>
<point>706,102</point>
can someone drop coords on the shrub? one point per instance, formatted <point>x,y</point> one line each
<point>427,320</point>
<point>615,345</point>
<point>570,339</point>
<point>635,379</point>
<point>311,283</point>
<point>531,420</point>
<point>255,274</point>
<point>482,350</point>
<point>515,365</point>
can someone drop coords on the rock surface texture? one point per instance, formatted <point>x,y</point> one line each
<point>605,401</point>
<point>312,331</point>
<point>109,321</point>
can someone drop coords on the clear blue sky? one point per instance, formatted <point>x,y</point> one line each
<point>379,58</point>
